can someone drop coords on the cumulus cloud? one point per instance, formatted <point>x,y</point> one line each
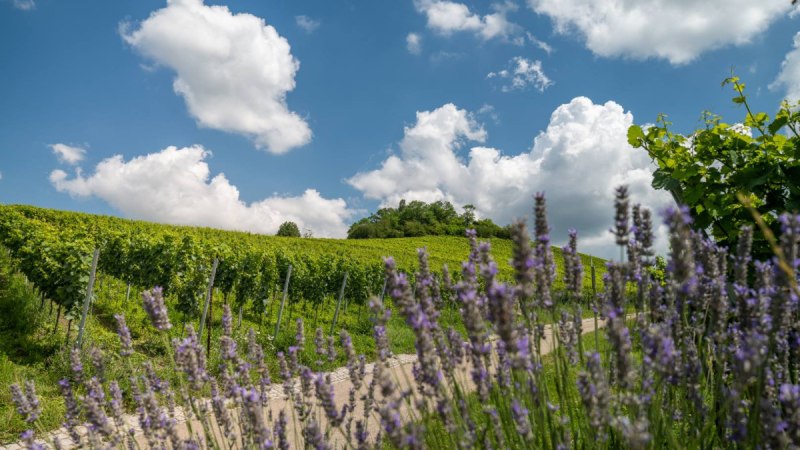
<point>677,31</point>
<point>307,23</point>
<point>447,17</point>
<point>522,74</point>
<point>414,43</point>
<point>789,76</point>
<point>232,70</point>
<point>577,161</point>
<point>24,5</point>
<point>175,186</point>
<point>68,154</point>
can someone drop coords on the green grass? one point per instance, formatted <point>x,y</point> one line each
<point>34,347</point>
<point>34,350</point>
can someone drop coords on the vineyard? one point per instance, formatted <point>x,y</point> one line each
<point>54,249</point>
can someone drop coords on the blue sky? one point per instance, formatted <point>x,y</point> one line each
<point>243,114</point>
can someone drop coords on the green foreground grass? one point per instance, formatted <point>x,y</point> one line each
<point>33,346</point>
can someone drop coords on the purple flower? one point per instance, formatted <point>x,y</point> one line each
<point>300,335</point>
<point>75,363</point>
<point>227,320</point>
<point>520,415</point>
<point>72,413</point>
<point>573,268</point>
<point>27,402</point>
<point>31,444</point>
<point>361,435</point>
<point>682,253</point>
<point>153,302</point>
<point>191,358</point>
<point>568,336</point>
<point>324,390</point>
<point>94,404</point>
<point>313,436</point>
<point>621,216</point>
<point>643,232</point>
<point>255,416</point>
<point>115,403</point>
<point>331,351</point>
<point>522,262</point>
<point>596,395</point>
<point>96,356</point>
<point>544,267</point>
<point>280,431</point>
<point>126,346</point>
<point>227,350</point>
<point>254,351</point>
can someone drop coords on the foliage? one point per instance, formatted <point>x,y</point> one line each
<point>710,362</point>
<point>423,219</point>
<point>54,250</point>
<point>20,311</point>
<point>288,229</point>
<point>706,169</point>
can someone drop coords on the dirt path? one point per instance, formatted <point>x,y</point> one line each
<point>400,369</point>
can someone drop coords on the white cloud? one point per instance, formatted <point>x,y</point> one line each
<point>68,154</point>
<point>542,45</point>
<point>789,76</point>
<point>175,186</point>
<point>578,161</point>
<point>414,43</point>
<point>677,31</point>
<point>25,5</point>
<point>233,70</point>
<point>307,23</point>
<point>447,17</point>
<point>522,74</point>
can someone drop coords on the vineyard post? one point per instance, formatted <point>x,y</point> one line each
<point>383,292</point>
<point>69,328</point>
<point>88,298</point>
<point>283,300</point>
<point>339,303</point>
<point>128,293</point>
<point>208,298</point>
<point>58,316</point>
<point>346,302</point>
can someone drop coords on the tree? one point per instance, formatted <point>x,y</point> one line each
<point>418,218</point>
<point>469,215</point>
<point>760,157</point>
<point>289,229</point>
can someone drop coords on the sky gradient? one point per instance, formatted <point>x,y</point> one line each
<point>244,114</point>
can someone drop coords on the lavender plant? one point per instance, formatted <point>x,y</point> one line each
<point>708,360</point>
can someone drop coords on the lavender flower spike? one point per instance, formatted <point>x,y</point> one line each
<point>153,302</point>
<point>27,402</point>
<point>621,216</point>
<point>227,320</point>
<point>126,346</point>
<point>300,335</point>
